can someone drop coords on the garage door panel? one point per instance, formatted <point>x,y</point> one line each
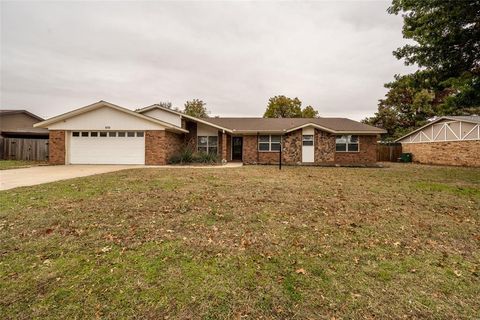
<point>109,149</point>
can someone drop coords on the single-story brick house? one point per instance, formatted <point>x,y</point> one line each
<point>450,140</point>
<point>104,133</point>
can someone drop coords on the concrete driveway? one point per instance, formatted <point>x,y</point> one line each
<point>14,178</point>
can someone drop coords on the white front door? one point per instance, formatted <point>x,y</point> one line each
<point>308,145</point>
<point>107,147</point>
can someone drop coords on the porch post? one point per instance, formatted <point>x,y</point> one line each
<point>224,147</point>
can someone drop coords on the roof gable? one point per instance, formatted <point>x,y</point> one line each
<point>105,104</point>
<point>183,115</point>
<point>13,111</point>
<point>471,119</point>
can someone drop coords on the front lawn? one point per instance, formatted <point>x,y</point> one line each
<point>246,243</point>
<point>15,164</point>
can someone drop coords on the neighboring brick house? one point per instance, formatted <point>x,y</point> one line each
<point>106,133</point>
<point>449,140</point>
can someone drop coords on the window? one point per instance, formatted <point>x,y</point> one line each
<point>75,134</point>
<point>84,134</point>
<point>307,140</point>
<point>103,134</point>
<point>112,134</point>
<point>346,144</point>
<point>208,144</point>
<point>269,143</point>
<point>93,134</point>
<point>130,134</point>
<point>140,134</point>
<point>121,134</point>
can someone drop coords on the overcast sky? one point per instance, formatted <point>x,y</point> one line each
<point>336,56</point>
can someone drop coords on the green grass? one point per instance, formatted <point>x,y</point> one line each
<point>15,164</point>
<point>252,242</point>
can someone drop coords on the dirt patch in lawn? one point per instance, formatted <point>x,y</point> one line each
<point>252,242</point>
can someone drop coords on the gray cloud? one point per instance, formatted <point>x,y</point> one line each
<point>335,56</point>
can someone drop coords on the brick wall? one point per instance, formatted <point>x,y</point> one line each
<point>324,150</point>
<point>454,153</point>
<point>160,145</point>
<point>366,154</point>
<point>292,144</point>
<point>324,147</point>
<point>251,155</point>
<point>250,149</point>
<point>56,147</point>
<point>174,143</point>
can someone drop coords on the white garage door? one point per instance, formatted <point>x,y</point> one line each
<point>107,147</point>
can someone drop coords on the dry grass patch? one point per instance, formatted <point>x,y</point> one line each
<point>252,242</point>
<point>16,164</point>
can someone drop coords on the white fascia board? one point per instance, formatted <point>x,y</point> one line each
<point>311,125</point>
<point>335,131</point>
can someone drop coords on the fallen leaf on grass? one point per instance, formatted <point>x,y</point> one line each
<point>300,271</point>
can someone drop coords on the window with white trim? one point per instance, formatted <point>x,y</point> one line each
<point>346,143</point>
<point>269,143</point>
<point>307,140</point>
<point>207,144</point>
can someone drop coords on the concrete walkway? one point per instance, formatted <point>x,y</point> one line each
<point>14,178</point>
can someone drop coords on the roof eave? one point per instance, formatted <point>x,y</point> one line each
<point>310,124</point>
<point>182,115</point>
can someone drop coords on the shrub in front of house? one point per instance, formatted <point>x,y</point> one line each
<point>187,156</point>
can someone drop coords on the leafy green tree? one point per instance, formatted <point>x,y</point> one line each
<point>285,107</point>
<point>446,47</point>
<point>196,108</point>
<point>446,34</point>
<point>309,112</point>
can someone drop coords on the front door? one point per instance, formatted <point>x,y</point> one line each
<point>237,147</point>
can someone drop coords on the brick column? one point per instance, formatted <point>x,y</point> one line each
<point>155,147</point>
<point>224,147</point>
<point>56,147</point>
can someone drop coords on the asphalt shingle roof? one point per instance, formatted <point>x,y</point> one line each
<point>284,124</point>
<point>466,118</point>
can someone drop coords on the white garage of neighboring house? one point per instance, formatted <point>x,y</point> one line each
<point>449,140</point>
<point>104,133</point>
